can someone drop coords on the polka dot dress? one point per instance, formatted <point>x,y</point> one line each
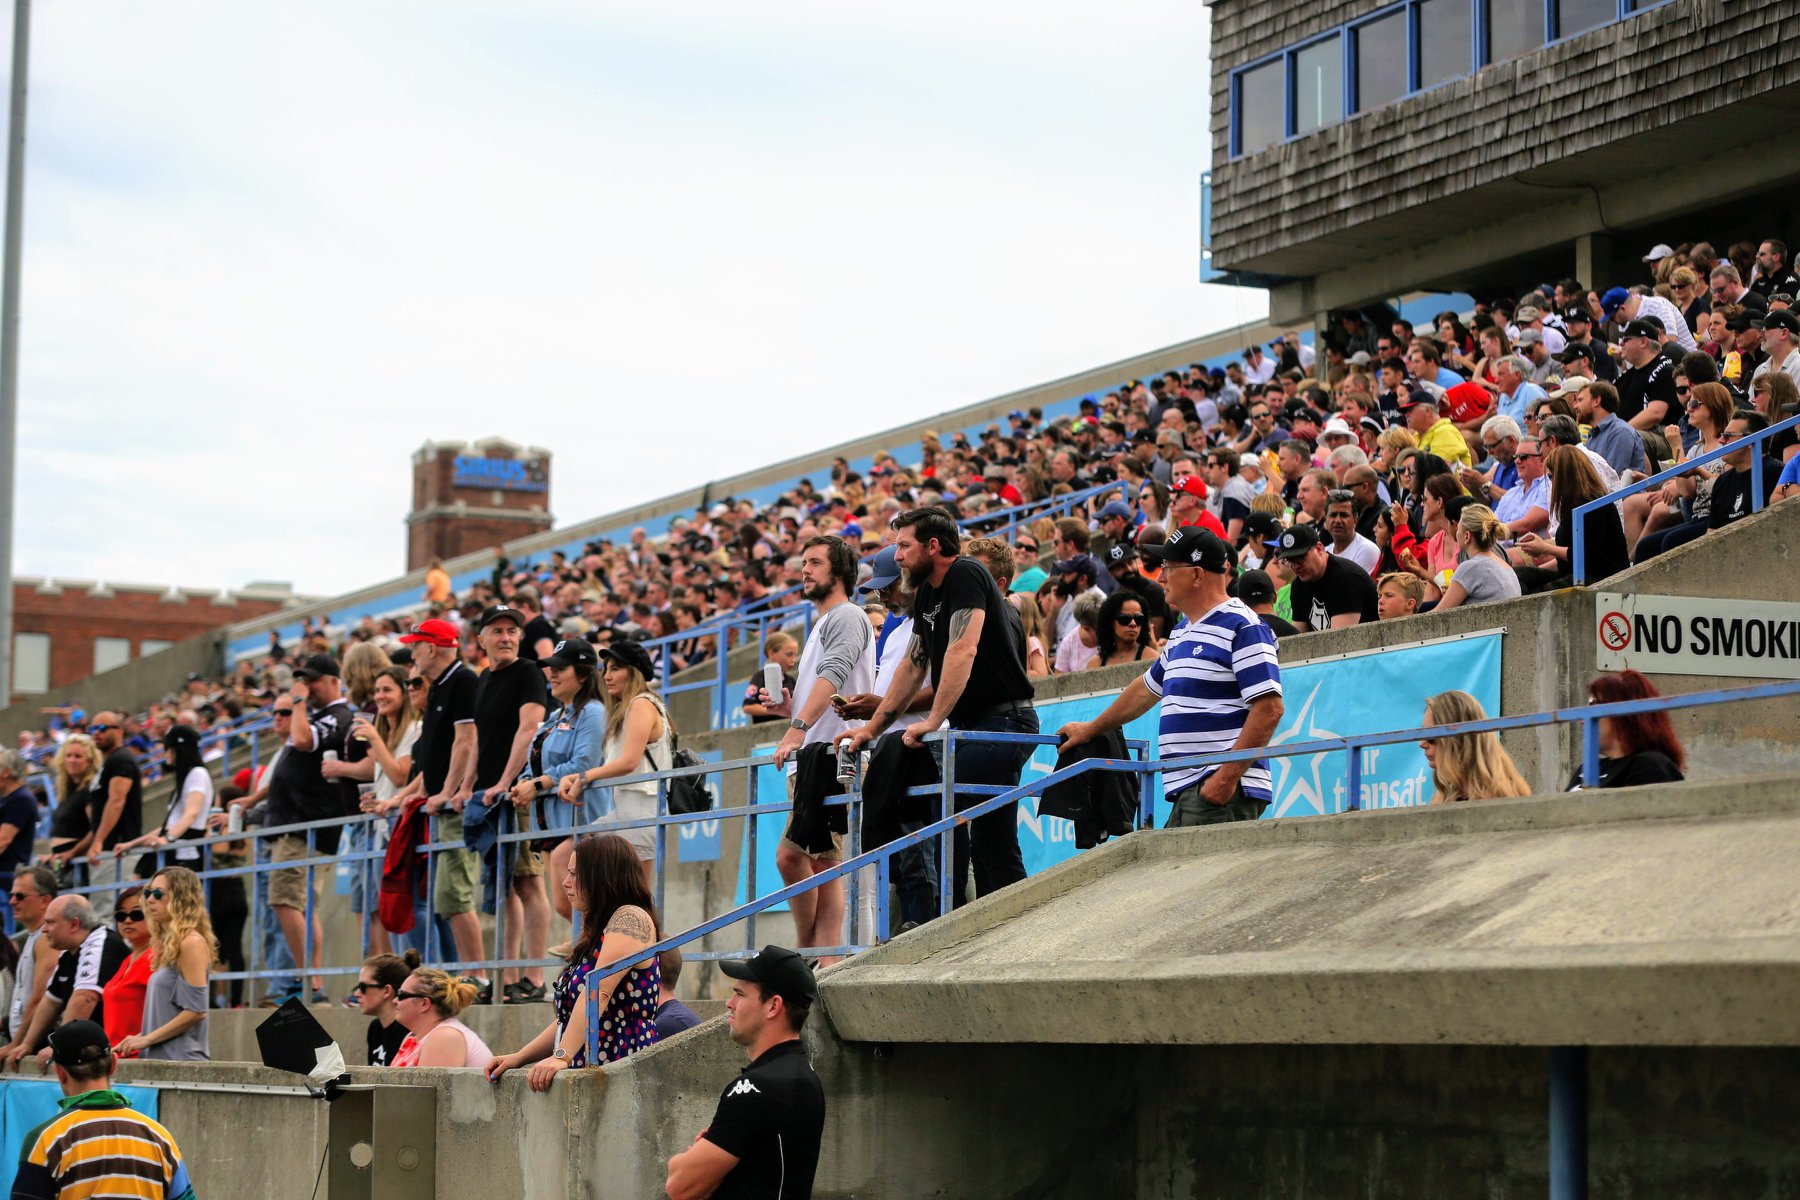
<point>627,1023</point>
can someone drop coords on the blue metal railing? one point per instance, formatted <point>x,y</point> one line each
<point>1578,543</point>
<point>1589,716</point>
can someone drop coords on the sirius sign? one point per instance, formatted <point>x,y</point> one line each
<point>500,474</point>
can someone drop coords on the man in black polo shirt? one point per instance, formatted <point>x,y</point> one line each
<point>764,1137</point>
<point>961,643</point>
<point>443,770</point>
<point>510,699</point>
<point>1329,592</point>
<point>1647,385</point>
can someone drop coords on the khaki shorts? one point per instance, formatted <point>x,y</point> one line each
<point>458,871</point>
<point>287,885</point>
<point>527,864</point>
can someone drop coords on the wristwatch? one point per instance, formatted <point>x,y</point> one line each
<point>797,723</point>
<point>559,1052</point>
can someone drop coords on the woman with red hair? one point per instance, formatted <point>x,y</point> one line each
<point>1634,750</point>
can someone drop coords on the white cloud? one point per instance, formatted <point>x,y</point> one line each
<point>271,252</point>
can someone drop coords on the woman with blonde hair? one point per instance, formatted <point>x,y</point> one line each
<point>639,740</point>
<point>1037,665</point>
<point>1467,766</point>
<point>1389,445</point>
<point>76,767</point>
<point>428,1004</point>
<point>1485,573</point>
<point>363,661</point>
<point>183,951</point>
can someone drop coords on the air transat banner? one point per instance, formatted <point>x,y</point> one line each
<point>1364,693</point>
<point>27,1103</point>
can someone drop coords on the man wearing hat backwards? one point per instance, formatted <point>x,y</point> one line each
<point>764,1136</point>
<point>97,1145</point>
<point>1219,683</point>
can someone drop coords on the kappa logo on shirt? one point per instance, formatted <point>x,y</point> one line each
<point>743,1087</point>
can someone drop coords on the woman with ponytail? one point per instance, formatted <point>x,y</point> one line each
<point>428,1005</point>
<point>1485,573</point>
<point>377,984</point>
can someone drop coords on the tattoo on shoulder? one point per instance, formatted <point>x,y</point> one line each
<point>959,623</point>
<point>633,922</point>
<point>916,651</point>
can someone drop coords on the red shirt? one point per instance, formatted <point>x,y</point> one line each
<point>123,997</point>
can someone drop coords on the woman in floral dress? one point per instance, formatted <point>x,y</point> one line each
<point>618,917</point>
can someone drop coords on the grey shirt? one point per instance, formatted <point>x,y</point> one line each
<point>1486,578</point>
<point>167,995</point>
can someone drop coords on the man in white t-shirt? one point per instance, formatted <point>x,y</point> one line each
<point>838,659</point>
<point>1340,524</point>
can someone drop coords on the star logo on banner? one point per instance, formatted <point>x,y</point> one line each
<point>1300,789</point>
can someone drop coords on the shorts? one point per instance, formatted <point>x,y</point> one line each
<point>458,871</point>
<point>527,864</point>
<point>632,805</point>
<point>287,885</point>
<point>1189,808</point>
<point>815,833</point>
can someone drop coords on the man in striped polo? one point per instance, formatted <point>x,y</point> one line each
<point>1219,683</point>
<point>97,1145</point>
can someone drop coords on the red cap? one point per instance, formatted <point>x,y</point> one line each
<point>1466,401</point>
<point>434,632</point>
<point>1193,485</point>
<point>241,781</point>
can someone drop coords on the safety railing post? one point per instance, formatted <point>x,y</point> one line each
<point>1352,775</point>
<point>433,951</point>
<point>753,820</point>
<point>306,939</point>
<point>947,842</point>
<point>1590,752</point>
<point>502,890</point>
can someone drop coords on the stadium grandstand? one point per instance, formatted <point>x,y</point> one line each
<point>1359,756</point>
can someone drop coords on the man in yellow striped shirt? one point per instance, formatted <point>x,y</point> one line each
<point>97,1145</point>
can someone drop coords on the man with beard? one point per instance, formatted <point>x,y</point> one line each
<point>839,659</point>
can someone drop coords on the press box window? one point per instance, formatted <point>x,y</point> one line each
<point>1578,16</point>
<point>1261,107</point>
<point>31,662</point>
<point>1380,49</point>
<point>1318,85</point>
<point>1515,28</point>
<point>1444,45</point>
<point>111,652</point>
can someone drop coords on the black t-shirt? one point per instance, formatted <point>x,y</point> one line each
<point>1655,380</point>
<point>1280,626</point>
<point>1343,588</point>
<point>20,811</point>
<point>89,968</point>
<point>499,695</point>
<point>1731,494</point>
<point>771,1118</point>
<point>119,765</point>
<point>998,675</point>
<point>1646,766</point>
<point>449,702</point>
<point>384,1043</point>
<point>537,629</point>
<point>299,790</point>
<point>71,822</point>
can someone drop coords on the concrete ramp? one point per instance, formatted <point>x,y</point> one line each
<point>1652,916</point>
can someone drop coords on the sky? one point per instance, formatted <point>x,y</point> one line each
<point>272,250</point>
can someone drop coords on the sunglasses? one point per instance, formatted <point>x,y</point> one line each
<point>1522,454</point>
<point>362,987</point>
<point>411,996</point>
<point>1692,404</point>
<point>1682,391</point>
<point>100,728</point>
<point>155,894</point>
<point>1027,546</point>
<point>415,685</point>
<point>1126,619</point>
<point>136,914</point>
<point>15,897</point>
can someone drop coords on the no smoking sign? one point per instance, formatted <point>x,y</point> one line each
<point>1615,631</point>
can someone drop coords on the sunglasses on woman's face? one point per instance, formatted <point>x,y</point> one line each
<point>155,894</point>
<point>362,987</point>
<point>411,996</point>
<point>1129,619</point>
<point>415,685</point>
<point>121,916</point>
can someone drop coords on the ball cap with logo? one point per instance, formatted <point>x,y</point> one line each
<point>434,632</point>
<point>1192,546</point>
<point>1295,542</point>
<point>571,652</point>
<point>775,969</point>
<point>500,612</point>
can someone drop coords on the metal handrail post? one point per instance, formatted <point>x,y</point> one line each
<point>947,845</point>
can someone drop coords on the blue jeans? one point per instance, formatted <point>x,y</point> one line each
<point>275,954</point>
<point>991,841</point>
<point>915,870</point>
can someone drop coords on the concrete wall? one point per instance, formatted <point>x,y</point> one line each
<point>127,688</point>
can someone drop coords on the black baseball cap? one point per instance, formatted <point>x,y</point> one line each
<point>1194,546</point>
<point>628,653</point>
<point>1644,329</point>
<point>1294,542</point>
<point>1575,351</point>
<point>775,969</point>
<point>1255,587</point>
<point>317,666</point>
<point>571,652</point>
<point>1120,554</point>
<point>500,612</point>
<point>1576,312</point>
<point>1780,318</point>
<point>1262,526</point>
<point>79,1044</point>
<point>1081,564</point>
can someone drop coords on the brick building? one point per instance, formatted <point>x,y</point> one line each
<point>1366,148</point>
<point>472,496</point>
<point>65,629</point>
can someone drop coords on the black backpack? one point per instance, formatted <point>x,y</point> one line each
<point>688,794</point>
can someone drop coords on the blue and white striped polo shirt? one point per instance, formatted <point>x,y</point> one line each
<point>1207,676</point>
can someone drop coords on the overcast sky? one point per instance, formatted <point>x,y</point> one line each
<point>270,250</point>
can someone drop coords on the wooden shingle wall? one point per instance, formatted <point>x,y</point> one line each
<point>1685,59</point>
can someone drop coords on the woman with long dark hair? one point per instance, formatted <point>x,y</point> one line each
<point>189,804</point>
<point>1123,632</point>
<point>1634,750</point>
<point>1573,482</point>
<point>618,919</point>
